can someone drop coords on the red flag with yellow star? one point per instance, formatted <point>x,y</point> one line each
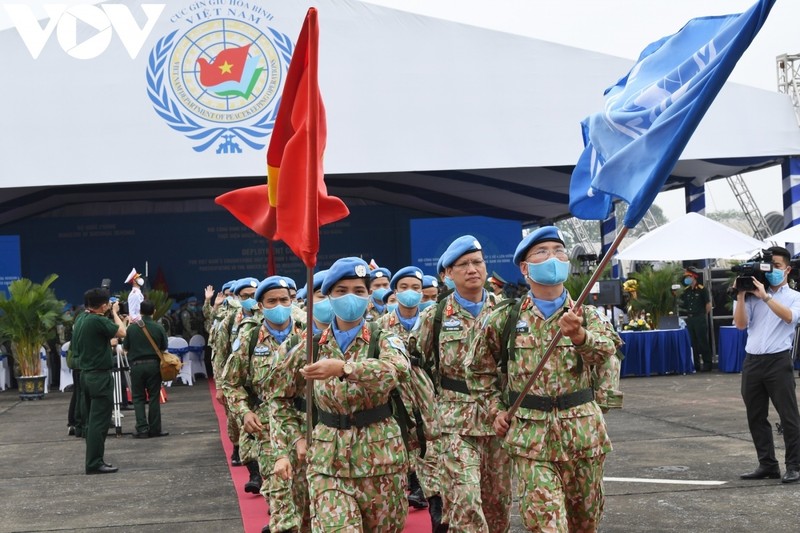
<point>227,66</point>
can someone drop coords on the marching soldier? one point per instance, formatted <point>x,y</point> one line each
<point>247,377</point>
<point>557,439</point>
<point>695,302</point>
<point>357,460</point>
<point>378,288</point>
<point>323,314</point>
<point>430,292</point>
<point>475,470</point>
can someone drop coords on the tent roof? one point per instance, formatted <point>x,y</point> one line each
<point>446,118</point>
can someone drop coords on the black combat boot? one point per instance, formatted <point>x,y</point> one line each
<point>254,484</point>
<point>235,460</point>
<point>416,498</point>
<point>435,510</point>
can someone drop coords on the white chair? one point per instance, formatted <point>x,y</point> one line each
<point>178,346</point>
<point>45,369</point>
<point>65,377</point>
<point>5,373</point>
<point>197,354</point>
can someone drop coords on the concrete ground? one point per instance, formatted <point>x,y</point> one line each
<point>673,428</point>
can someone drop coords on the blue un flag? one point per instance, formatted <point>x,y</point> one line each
<point>632,145</point>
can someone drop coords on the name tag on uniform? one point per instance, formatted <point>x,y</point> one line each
<point>261,351</point>
<point>522,327</point>
<point>452,325</point>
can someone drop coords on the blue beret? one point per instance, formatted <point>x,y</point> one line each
<point>244,283</point>
<point>345,268</point>
<point>380,273</point>
<point>439,267</point>
<point>463,245</point>
<point>385,298</point>
<point>290,281</point>
<point>228,286</point>
<point>543,234</point>
<point>430,281</point>
<point>272,282</point>
<point>191,300</point>
<point>319,277</point>
<point>301,293</point>
<point>405,272</point>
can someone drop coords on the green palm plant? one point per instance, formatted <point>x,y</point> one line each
<point>654,292</point>
<point>28,319</point>
<point>161,301</point>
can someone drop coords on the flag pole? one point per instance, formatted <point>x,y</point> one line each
<point>578,303</point>
<point>310,340</point>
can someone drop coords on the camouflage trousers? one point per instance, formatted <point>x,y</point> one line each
<point>560,496</point>
<point>249,447</point>
<point>428,468</point>
<point>233,426</point>
<point>287,499</point>
<point>477,477</point>
<point>375,504</point>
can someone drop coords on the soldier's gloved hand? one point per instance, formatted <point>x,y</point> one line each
<point>302,449</point>
<point>252,424</point>
<point>501,423</point>
<point>221,397</point>
<point>283,468</point>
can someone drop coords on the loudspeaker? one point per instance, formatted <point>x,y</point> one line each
<point>610,293</point>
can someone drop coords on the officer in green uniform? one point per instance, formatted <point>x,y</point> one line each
<point>357,461</point>
<point>146,371</point>
<point>695,302</point>
<point>557,438</point>
<point>92,337</point>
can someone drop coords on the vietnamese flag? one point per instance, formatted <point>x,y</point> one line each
<point>227,66</point>
<point>295,202</point>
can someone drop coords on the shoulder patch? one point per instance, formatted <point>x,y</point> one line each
<point>396,343</point>
<point>236,344</point>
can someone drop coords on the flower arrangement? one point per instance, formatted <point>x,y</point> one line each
<point>637,324</point>
<point>630,285</point>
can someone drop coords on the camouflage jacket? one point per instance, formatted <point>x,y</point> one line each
<point>299,315</point>
<point>373,450</point>
<point>372,314</point>
<point>459,413</point>
<point>219,337</point>
<point>555,435</point>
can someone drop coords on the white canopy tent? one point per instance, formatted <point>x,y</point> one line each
<point>424,113</point>
<point>789,235</point>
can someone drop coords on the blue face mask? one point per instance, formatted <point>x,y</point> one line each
<point>278,315</point>
<point>249,304</point>
<point>449,283</point>
<point>349,307</point>
<point>323,312</point>
<point>775,277</point>
<point>687,280</point>
<point>390,308</point>
<point>550,272</point>
<point>425,305</point>
<point>378,294</point>
<point>409,298</point>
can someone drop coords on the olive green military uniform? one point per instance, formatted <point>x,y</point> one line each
<point>356,473</point>
<point>145,373</point>
<point>558,453</point>
<point>77,390</point>
<point>245,380</point>
<point>475,471</point>
<point>693,301</point>
<point>92,336</point>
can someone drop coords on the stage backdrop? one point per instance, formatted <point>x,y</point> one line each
<point>10,268</point>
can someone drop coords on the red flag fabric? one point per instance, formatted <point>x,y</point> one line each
<point>298,198</point>
<point>227,66</point>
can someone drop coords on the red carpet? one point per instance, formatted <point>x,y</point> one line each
<point>254,507</point>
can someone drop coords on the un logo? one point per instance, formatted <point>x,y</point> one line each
<point>219,83</point>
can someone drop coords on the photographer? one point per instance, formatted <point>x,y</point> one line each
<point>770,316</point>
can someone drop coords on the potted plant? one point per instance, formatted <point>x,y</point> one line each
<point>653,292</point>
<point>28,319</point>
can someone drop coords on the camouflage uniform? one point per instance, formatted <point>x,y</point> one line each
<point>372,314</point>
<point>558,454</point>
<point>219,338</point>
<point>356,476</point>
<point>246,380</point>
<point>475,471</point>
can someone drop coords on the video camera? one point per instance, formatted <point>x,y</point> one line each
<point>756,268</point>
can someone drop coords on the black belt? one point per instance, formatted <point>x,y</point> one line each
<point>358,419</point>
<point>143,361</point>
<point>455,385</point>
<point>299,403</point>
<point>776,354</point>
<point>551,403</point>
<point>97,370</point>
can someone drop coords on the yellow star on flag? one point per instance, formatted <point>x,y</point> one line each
<point>225,68</point>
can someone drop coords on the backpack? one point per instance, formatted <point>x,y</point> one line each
<point>604,378</point>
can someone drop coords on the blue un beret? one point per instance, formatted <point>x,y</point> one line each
<point>430,281</point>
<point>543,234</point>
<point>290,281</point>
<point>228,286</point>
<point>243,284</point>
<point>272,282</point>
<point>319,277</point>
<point>345,268</point>
<point>405,272</point>
<point>380,273</point>
<point>463,245</point>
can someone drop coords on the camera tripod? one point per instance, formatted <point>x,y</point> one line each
<point>120,367</point>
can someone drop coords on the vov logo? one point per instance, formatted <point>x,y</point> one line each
<point>107,19</point>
